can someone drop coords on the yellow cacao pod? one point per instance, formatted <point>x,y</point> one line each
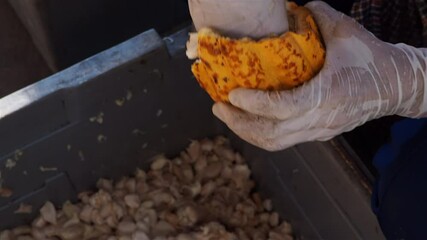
<point>272,63</point>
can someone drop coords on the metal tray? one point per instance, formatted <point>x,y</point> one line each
<point>50,131</point>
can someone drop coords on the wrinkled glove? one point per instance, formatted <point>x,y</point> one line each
<point>363,79</point>
<point>240,18</point>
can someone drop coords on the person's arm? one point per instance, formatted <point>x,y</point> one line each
<point>363,79</point>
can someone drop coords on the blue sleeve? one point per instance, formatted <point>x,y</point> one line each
<point>400,195</point>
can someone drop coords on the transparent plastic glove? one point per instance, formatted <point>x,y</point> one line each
<point>240,18</point>
<point>363,79</point>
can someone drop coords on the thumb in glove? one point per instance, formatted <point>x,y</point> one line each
<point>363,79</point>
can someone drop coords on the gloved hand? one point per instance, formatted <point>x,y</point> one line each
<point>240,18</point>
<point>363,79</point>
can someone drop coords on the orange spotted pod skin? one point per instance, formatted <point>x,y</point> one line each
<point>272,63</point>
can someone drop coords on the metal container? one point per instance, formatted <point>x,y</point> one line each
<point>61,134</point>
